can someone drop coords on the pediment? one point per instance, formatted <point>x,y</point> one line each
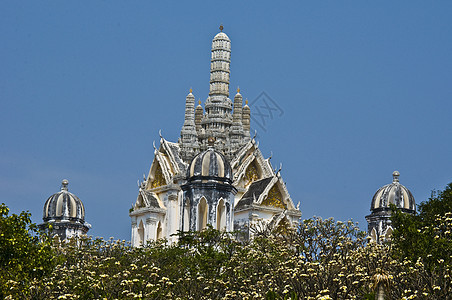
<point>147,199</point>
<point>164,166</point>
<point>276,195</point>
<point>249,166</point>
<point>160,172</point>
<point>268,192</point>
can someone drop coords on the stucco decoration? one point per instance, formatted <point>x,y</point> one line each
<point>158,179</point>
<point>251,174</point>
<point>274,198</point>
<point>234,176</point>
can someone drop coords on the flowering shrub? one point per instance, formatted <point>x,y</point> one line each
<point>321,259</point>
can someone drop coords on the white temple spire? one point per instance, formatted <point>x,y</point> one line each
<point>189,136</point>
<point>219,66</point>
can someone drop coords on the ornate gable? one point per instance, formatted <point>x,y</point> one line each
<point>166,165</point>
<point>269,192</point>
<point>148,199</point>
<point>158,179</point>
<point>172,150</point>
<point>159,174</point>
<point>274,198</point>
<point>251,174</point>
<point>276,195</point>
<point>249,165</point>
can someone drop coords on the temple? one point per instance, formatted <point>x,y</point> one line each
<point>215,173</point>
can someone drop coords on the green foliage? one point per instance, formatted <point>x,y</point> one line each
<point>24,254</point>
<point>427,235</point>
<point>439,203</point>
<point>321,259</point>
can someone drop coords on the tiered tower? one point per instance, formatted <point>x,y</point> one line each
<point>222,119</point>
<point>189,136</point>
<point>215,174</point>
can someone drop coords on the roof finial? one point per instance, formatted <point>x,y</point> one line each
<point>395,176</point>
<point>191,90</point>
<point>246,101</point>
<point>221,27</point>
<point>64,184</point>
<point>238,89</point>
<point>199,102</point>
<point>211,141</point>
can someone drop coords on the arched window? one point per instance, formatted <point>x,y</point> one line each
<point>221,215</point>
<point>159,233</point>
<point>388,234</point>
<point>202,213</point>
<point>140,233</point>
<point>186,224</point>
<point>373,235</point>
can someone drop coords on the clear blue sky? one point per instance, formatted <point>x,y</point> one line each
<point>365,88</point>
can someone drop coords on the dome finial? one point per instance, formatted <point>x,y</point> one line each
<point>64,184</point>
<point>211,141</point>
<point>191,90</point>
<point>238,89</point>
<point>199,102</point>
<point>395,176</point>
<point>221,27</point>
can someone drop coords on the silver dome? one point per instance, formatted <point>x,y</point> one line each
<point>64,206</point>
<point>393,193</point>
<point>210,163</point>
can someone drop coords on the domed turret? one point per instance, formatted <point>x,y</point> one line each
<point>210,165</point>
<point>64,206</point>
<point>66,213</point>
<point>208,194</point>
<point>379,221</point>
<point>393,193</point>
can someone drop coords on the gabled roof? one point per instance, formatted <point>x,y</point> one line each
<point>149,199</point>
<point>249,153</point>
<point>258,191</point>
<point>167,157</point>
<point>276,219</point>
<point>173,152</point>
<point>253,193</point>
<point>241,154</point>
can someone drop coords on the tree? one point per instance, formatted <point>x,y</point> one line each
<point>320,259</point>
<point>426,235</point>
<point>424,242</point>
<point>25,255</point>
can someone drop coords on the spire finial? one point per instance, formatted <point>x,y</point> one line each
<point>395,176</point>
<point>221,27</point>
<point>64,184</point>
<point>199,102</point>
<point>238,89</point>
<point>246,101</point>
<point>191,90</point>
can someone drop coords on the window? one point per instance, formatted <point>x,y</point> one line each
<point>221,215</point>
<point>373,235</point>
<point>159,233</point>
<point>202,214</point>
<point>140,233</point>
